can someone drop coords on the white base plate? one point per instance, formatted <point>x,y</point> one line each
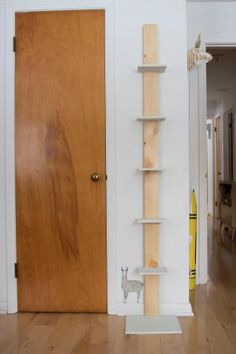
<point>152,325</point>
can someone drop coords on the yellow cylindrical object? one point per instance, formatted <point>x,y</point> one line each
<point>192,242</point>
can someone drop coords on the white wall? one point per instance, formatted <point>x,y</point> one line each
<point>130,16</point>
<point>214,20</point>
<point>174,142</point>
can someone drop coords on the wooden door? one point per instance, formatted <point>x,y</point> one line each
<point>218,165</point>
<point>60,143</point>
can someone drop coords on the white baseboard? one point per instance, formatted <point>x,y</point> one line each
<point>138,309</point>
<point>165,309</point>
<point>3,307</point>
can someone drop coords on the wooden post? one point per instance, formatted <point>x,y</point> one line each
<point>151,180</point>
<point>152,322</point>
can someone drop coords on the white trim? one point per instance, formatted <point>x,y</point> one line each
<point>10,164</point>
<point>202,274</point>
<point>3,307</point>
<point>165,309</point>
<point>221,44</point>
<point>202,269</point>
<point>198,182</point>
<point>3,285</point>
<point>25,6</point>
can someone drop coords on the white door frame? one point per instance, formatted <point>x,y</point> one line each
<point>7,120</point>
<point>202,274</point>
<point>202,182</point>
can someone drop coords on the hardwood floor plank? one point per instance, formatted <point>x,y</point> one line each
<point>102,334</point>
<point>193,336</point>
<point>214,332</point>
<point>172,344</point>
<point>150,344</point>
<point>125,344</point>
<point>13,330</point>
<point>48,319</point>
<point>36,341</point>
<point>221,308</point>
<point>70,331</point>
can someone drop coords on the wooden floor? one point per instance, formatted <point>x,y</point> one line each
<point>211,330</point>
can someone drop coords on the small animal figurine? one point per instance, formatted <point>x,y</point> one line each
<point>130,286</point>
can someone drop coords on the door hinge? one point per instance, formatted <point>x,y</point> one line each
<point>14,44</point>
<point>106,177</point>
<point>16,270</point>
<point>215,129</point>
<point>216,203</point>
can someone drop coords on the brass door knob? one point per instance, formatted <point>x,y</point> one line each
<point>95,177</point>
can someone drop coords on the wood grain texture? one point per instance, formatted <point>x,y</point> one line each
<point>211,330</point>
<point>151,159</point>
<point>60,142</point>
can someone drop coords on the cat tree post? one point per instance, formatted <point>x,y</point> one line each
<point>151,83</point>
<point>152,322</point>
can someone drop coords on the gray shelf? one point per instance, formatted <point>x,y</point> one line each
<point>150,118</point>
<point>150,169</point>
<point>156,68</point>
<point>151,271</point>
<point>162,324</point>
<point>150,221</point>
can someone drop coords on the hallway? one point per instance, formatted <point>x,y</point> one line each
<point>211,331</point>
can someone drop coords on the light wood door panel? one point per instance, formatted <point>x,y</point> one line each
<point>60,142</point>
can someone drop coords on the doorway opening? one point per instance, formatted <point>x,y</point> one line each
<point>221,144</point>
